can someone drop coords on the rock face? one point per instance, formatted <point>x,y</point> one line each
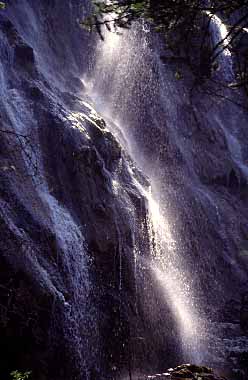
<point>78,299</point>
<point>187,372</point>
<point>68,204</point>
<point>72,216</point>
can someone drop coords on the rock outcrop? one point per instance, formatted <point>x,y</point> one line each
<point>187,372</point>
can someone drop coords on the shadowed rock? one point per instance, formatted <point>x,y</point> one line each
<point>187,372</point>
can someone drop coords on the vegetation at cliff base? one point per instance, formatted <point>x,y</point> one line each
<point>17,375</point>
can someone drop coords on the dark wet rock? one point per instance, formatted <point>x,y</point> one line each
<point>76,84</point>
<point>244,313</point>
<point>9,30</point>
<point>71,219</point>
<point>24,55</point>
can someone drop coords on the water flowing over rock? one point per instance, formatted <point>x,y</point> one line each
<point>123,204</point>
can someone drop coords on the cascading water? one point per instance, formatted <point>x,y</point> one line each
<point>167,264</point>
<point>105,276</point>
<point>221,39</point>
<point>139,97</point>
<point>120,60</point>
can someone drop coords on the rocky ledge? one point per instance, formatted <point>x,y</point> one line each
<point>187,372</point>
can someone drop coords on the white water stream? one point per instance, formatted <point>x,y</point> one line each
<point>220,34</point>
<point>118,60</point>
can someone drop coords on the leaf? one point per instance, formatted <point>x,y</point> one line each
<point>17,375</point>
<point>178,75</point>
<point>138,7</point>
<point>2,5</point>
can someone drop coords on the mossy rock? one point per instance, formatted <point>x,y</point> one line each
<point>190,372</point>
<point>194,368</point>
<point>182,374</point>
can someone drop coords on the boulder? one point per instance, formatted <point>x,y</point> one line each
<point>188,372</point>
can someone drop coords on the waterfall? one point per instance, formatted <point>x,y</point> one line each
<point>121,62</point>
<point>167,266</point>
<point>123,200</point>
<point>221,38</point>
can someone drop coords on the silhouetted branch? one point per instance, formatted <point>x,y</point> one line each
<point>25,144</point>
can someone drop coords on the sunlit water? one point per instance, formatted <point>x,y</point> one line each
<point>118,61</point>
<point>121,63</point>
<point>222,39</point>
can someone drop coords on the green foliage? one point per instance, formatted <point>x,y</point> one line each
<point>114,14</point>
<point>2,5</point>
<point>185,27</point>
<point>17,375</point>
<point>165,15</point>
<point>178,75</point>
<point>138,7</point>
